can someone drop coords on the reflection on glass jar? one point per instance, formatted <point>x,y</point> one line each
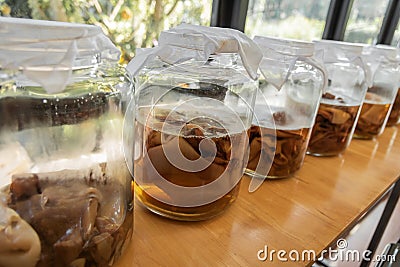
<point>64,182</point>
<point>285,108</point>
<point>340,104</point>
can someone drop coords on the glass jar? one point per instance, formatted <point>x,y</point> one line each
<point>65,197</point>
<point>192,121</point>
<point>340,104</point>
<point>384,69</point>
<point>394,117</point>
<point>285,108</point>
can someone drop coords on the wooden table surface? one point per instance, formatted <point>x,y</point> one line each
<point>306,212</point>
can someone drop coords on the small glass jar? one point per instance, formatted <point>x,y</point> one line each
<point>192,121</point>
<point>285,108</point>
<point>384,69</point>
<point>65,197</point>
<point>342,99</point>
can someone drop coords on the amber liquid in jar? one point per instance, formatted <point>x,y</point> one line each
<point>372,117</point>
<point>333,126</point>
<point>154,163</point>
<point>394,116</point>
<point>285,145</point>
<point>287,157</point>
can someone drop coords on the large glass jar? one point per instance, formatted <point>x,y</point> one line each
<point>192,121</point>
<point>340,104</point>
<point>65,197</point>
<point>383,65</point>
<point>286,106</point>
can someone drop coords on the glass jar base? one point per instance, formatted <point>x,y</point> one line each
<point>364,137</point>
<point>199,213</point>
<point>392,124</point>
<point>178,216</point>
<point>252,173</point>
<point>324,154</point>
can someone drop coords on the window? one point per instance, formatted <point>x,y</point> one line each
<point>396,37</point>
<point>128,23</point>
<point>365,21</point>
<point>301,19</point>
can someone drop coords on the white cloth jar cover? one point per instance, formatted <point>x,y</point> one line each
<point>186,42</point>
<point>47,51</point>
<point>331,51</point>
<point>375,56</point>
<point>280,56</point>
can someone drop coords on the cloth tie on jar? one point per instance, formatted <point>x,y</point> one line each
<point>198,43</point>
<point>47,51</point>
<point>280,57</point>
<point>278,62</point>
<point>345,55</point>
<point>186,42</point>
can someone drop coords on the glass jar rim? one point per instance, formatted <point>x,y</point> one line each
<point>80,62</point>
<point>55,24</point>
<point>390,52</point>
<point>355,48</point>
<point>36,43</point>
<point>285,45</point>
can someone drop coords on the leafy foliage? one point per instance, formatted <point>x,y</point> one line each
<point>129,23</point>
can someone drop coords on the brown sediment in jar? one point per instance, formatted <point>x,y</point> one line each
<point>74,216</point>
<point>288,155</point>
<point>394,116</point>
<point>155,159</point>
<point>333,126</point>
<point>372,117</point>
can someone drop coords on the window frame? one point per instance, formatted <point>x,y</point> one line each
<point>389,24</point>
<point>229,14</point>
<point>233,13</point>
<point>336,20</point>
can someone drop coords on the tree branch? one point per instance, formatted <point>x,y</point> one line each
<point>116,9</point>
<point>158,10</point>
<point>97,6</point>
<point>172,8</point>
